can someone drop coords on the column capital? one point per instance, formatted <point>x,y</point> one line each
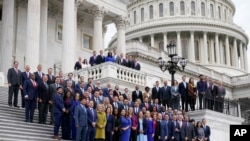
<point>78,3</point>
<point>205,32</point>
<point>22,3</point>
<point>121,22</point>
<point>98,12</point>
<point>80,19</point>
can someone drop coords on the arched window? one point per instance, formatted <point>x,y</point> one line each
<point>161,10</point>
<point>184,44</point>
<point>212,10</point>
<point>182,7</point>
<point>197,50</point>
<point>134,17</point>
<point>219,12</point>
<point>192,8</point>
<point>171,8</point>
<point>142,14</point>
<point>151,12</point>
<point>203,9</point>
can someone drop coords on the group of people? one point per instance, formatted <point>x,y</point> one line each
<point>86,111</point>
<point>95,59</point>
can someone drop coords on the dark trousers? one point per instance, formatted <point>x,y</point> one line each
<point>30,106</point>
<point>209,102</point>
<point>184,103</point>
<point>43,110</point>
<point>23,99</point>
<point>108,136</point>
<point>133,135</point>
<point>51,113</point>
<point>91,134</point>
<point>81,133</point>
<point>219,105</point>
<point>200,100</point>
<point>73,129</point>
<point>116,136</point>
<point>167,102</point>
<point>13,90</point>
<point>66,126</point>
<point>192,101</point>
<point>58,123</point>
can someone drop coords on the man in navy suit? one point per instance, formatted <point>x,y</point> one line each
<point>202,89</point>
<point>166,94</point>
<point>100,58</point>
<point>137,65</point>
<point>183,89</point>
<point>163,128</point>
<point>156,92</point>
<point>92,59</point>
<point>81,120</point>
<point>80,90</point>
<point>58,110</point>
<point>43,100</point>
<point>78,64</point>
<point>14,78</point>
<point>30,91</point>
<point>92,119</point>
<point>206,129</point>
<point>39,74</point>
<point>137,94</point>
<point>25,76</point>
<point>51,78</point>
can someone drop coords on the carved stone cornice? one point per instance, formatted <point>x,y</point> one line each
<point>80,19</point>
<point>22,3</point>
<point>98,12</point>
<point>121,22</point>
<point>78,3</point>
<point>52,10</point>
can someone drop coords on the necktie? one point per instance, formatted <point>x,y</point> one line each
<point>27,73</point>
<point>34,83</point>
<point>46,85</point>
<point>16,70</point>
<point>92,113</point>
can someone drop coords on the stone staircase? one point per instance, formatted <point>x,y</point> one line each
<point>13,127</point>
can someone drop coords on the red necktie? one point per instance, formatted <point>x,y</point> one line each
<point>34,83</point>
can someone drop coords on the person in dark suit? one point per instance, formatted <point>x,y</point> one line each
<point>175,129</point>
<point>58,110</point>
<point>202,88</point>
<point>78,64</point>
<point>206,128</point>
<point>25,76</point>
<point>166,94</point>
<point>137,108</point>
<point>81,120</point>
<point>156,92</point>
<point>80,90</point>
<point>92,119</point>
<point>183,126</point>
<point>39,74</point>
<point>169,126</point>
<point>131,62</point>
<point>30,92</point>
<point>183,90</point>
<point>68,87</point>
<point>137,65</point>
<point>146,104</point>
<point>92,59</point>
<point>157,127</point>
<point>137,94</point>
<point>125,94</point>
<point>100,58</point>
<point>214,91</point>
<point>116,92</point>
<point>122,60</point>
<point>219,98</point>
<point>116,103</point>
<point>51,78</point>
<point>110,125</point>
<point>52,92</point>
<point>163,129</point>
<point>14,77</point>
<point>209,98</point>
<point>43,100</point>
<point>190,131</point>
<point>70,78</point>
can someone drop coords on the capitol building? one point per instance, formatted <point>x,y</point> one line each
<point>55,33</point>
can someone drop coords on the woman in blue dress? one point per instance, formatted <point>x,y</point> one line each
<point>150,123</point>
<point>125,126</point>
<point>109,57</point>
<point>142,128</point>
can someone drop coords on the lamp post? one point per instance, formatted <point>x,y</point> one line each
<point>175,63</point>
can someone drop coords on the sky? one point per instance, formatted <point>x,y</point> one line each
<point>241,18</point>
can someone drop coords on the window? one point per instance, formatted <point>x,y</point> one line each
<point>184,44</point>
<point>208,51</point>
<point>87,42</point>
<point>1,10</point>
<point>192,8</point>
<point>134,17</point>
<point>219,12</point>
<point>203,9</point>
<point>151,12</point>
<point>171,8</point>
<point>197,50</point>
<point>142,14</point>
<point>212,10</point>
<point>160,10</point>
<point>182,6</point>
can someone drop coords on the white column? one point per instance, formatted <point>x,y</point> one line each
<point>191,56</point>
<point>152,40</point>
<point>217,47</point>
<point>43,33</point>
<point>221,53</point>
<point>235,55</point>
<point>68,55</point>
<point>205,53</point>
<point>121,23</point>
<point>241,56</point>
<point>104,29</point>
<point>33,34</point>
<point>245,58</point>
<point>98,13</point>
<point>228,62</point>
<point>212,51</point>
<point>179,52</point>
<point>7,45</point>
<point>165,41</point>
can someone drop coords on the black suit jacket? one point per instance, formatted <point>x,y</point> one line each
<point>38,78</point>
<point>137,66</point>
<point>77,66</point>
<point>25,77</point>
<point>156,94</point>
<point>51,80</point>
<point>134,96</point>
<point>13,77</point>
<point>52,90</point>
<point>207,132</point>
<point>115,93</point>
<point>145,126</point>
<point>100,59</point>
<point>183,91</point>
<point>43,92</point>
<point>165,92</point>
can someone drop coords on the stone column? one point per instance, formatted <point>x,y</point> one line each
<point>68,55</point>
<point>8,37</point>
<point>98,13</point>
<point>235,54</point>
<point>152,40</point>
<point>104,29</point>
<point>191,56</point>
<point>44,33</point>
<point>179,51</point>
<point>217,47</point>
<point>212,51</point>
<point>205,55</point>
<point>228,62</point>
<point>245,58</point>
<point>121,23</point>
<point>165,41</point>
<point>241,56</point>
<point>221,53</point>
<point>33,34</point>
